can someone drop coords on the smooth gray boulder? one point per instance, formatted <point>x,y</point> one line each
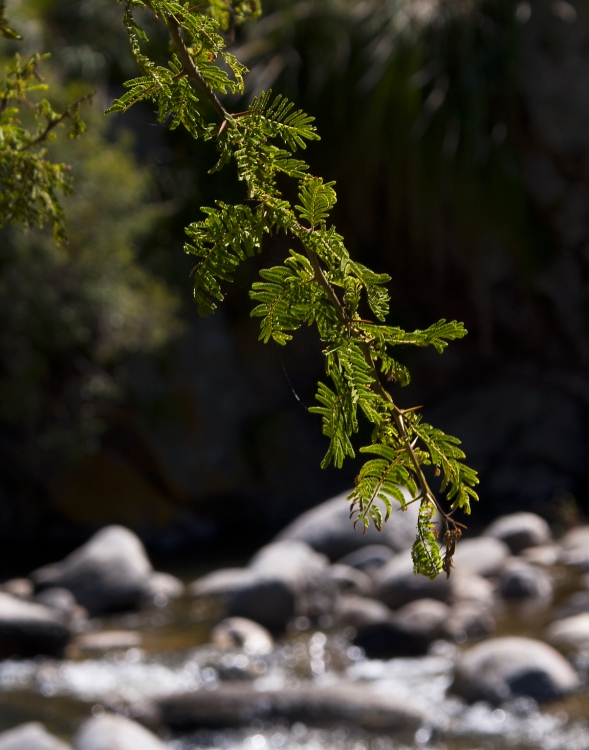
<point>236,704</point>
<point>31,736</point>
<point>237,632</point>
<point>467,621</point>
<point>483,556</point>
<point>328,528</point>
<point>520,531</point>
<point>64,603</point>
<point>221,584</point>
<point>396,584</point>
<point>505,668</point>
<point>163,588</point>
<point>28,629</point>
<point>110,573</point>
<point>358,611</point>
<point>350,581</point>
<point>113,732</point>
<point>368,558</point>
<point>406,632</point>
<point>520,580</point>
<point>469,587</point>
<point>288,579</point>
<point>108,640</point>
<point>575,545</point>
<point>22,588</point>
<point>569,634</point>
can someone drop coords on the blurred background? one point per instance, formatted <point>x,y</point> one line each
<point>458,134</point>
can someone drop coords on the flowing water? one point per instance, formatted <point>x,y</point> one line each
<point>174,656</point>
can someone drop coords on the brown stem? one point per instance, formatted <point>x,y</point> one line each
<point>54,123</point>
<point>192,71</point>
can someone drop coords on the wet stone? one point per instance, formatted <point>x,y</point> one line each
<point>28,629</point>
<point>483,556</point>
<point>327,529</point>
<point>108,640</point>
<point>396,584</point>
<point>110,573</point>
<point>31,736</point>
<point>240,633</point>
<point>358,611</point>
<point>234,705</point>
<point>350,581</point>
<point>569,634</point>
<point>369,558</point>
<point>112,732</point>
<point>520,580</point>
<point>503,669</point>
<point>520,531</point>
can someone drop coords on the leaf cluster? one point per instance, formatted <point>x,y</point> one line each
<point>318,284</point>
<point>30,183</point>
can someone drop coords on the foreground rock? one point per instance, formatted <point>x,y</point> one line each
<point>28,629</point>
<point>368,558</point>
<point>327,528</point>
<point>575,545</point>
<point>483,556</point>
<point>570,634</point>
<point>505,668</point>
<point>110,573</point>
<point>520,531</point>
<point>108,640</point>
<point>407,632</point>
<point>237,632</point>
<point>234,705</point>
<point>112,732</point>
<point>520,580</point>
<point>32,736</point>
<point>288,580</point>
<point>396,584</point>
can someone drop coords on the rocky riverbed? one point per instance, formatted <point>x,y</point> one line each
<point>324,639</point>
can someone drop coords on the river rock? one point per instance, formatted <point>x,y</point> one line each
<point>505,668</point>
<point>22,588</point>
<point>27,629</point>
<point>350,581</point>
<point>63,602</point>
<point>396,584</point>
<point>31,736</point>
<point>575,604</point>
<point>109,573</point>
<point>483,556</point>
<point>235,704</point>
<point>575,544</point>
<point>520,580</point>
<point>468,620</point>
<point>358,611</point>
<point>469,587</point>
<point>163,588</point>
<point>545,556</point>
<point>569,634</point>
<point>288,579</point>
<point>108,640</point>
<point>221,584</point>
<point>407,632</point>
<point>113,732</point>
<point>328,528</point>
<point>368,558</point>
<point>520,530</point>
<point>238,632</point>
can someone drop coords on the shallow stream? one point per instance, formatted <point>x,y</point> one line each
<point>174,656</point>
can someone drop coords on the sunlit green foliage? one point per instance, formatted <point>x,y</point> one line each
<point>318,284</point>
<point>30,183</point>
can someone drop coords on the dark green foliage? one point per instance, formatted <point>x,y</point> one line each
<point>318,284</point>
